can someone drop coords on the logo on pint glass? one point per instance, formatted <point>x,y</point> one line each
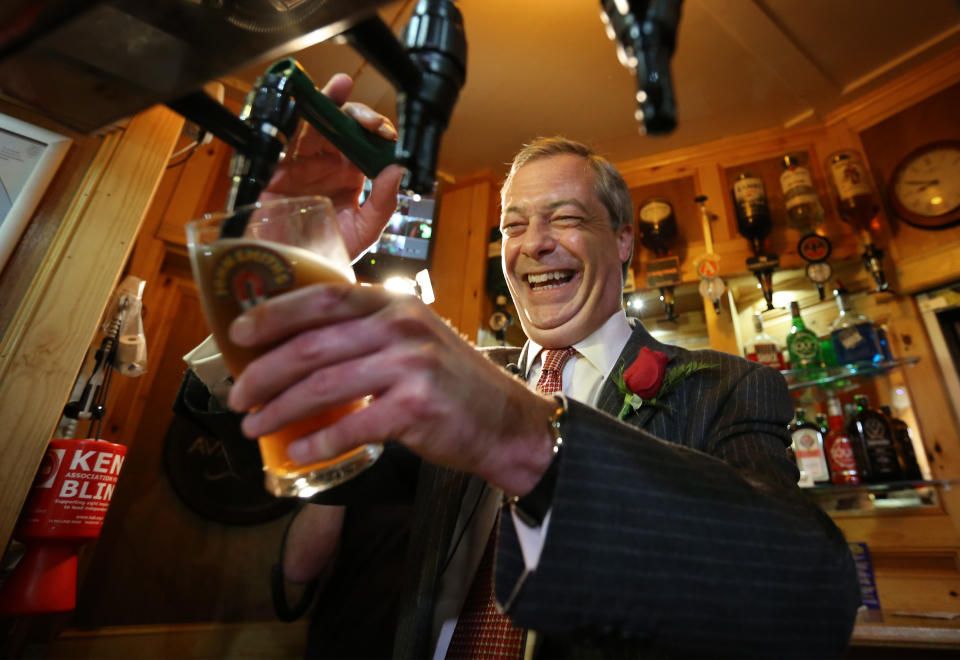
<point>250,275</point>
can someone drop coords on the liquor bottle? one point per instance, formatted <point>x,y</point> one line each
<point>873,432</point>
<point>828,357</point>
<point>884,343</point>
<point>804,211</point>
<point>821,420</point>
<point>657,225</point>
<point>858,207</point>
<point>904,446</point>
<point>840,450</point>
<point>855,199</point>
<point>808,448</point>
<point>854,335</point>
<point>763,348</point>
<point>753,211</point>
<point>802,344</point>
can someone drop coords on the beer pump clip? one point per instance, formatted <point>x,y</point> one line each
<point>708,266</point>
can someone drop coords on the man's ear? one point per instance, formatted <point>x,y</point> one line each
<point>625,242</point>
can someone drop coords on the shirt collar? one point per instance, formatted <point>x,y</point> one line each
<point>601,348</point>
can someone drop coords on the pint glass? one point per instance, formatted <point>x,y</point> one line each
<point>282,245</point>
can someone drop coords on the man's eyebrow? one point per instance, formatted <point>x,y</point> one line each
<point>552,206</point>
<point>572,201</point>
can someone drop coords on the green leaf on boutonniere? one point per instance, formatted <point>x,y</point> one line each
<point>672,379</point>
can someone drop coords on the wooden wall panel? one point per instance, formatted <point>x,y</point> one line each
<point>459,265</point>
<point>44,346</point>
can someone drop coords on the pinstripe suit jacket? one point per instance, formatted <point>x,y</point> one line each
<point>677,533</point>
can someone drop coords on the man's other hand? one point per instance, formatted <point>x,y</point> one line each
<point>313,166</point>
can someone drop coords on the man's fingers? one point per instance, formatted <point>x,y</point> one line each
<point>382,201</point>
<point>294,360</point>
<point>322,390</point>
<point>370,119</point>
<point>338,88</point>
<point>312,306</point>
<point>374,423</point>
<point>361,227</point>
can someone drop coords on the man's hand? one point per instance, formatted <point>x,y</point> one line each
<point>313,166</point>
<point>431,390</point>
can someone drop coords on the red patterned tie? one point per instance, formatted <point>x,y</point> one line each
<point>481,631</point>
<point>550,380</point>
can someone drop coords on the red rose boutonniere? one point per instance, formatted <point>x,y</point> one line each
<point>647,380</point>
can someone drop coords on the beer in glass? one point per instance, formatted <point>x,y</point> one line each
<point>285,244</point>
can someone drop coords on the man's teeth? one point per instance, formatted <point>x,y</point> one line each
<point>549,280</point>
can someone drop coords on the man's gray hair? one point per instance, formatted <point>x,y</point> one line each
<point>609,185</point>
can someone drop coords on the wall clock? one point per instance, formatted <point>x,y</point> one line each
<point>925,186</point>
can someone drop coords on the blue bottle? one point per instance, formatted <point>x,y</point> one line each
<point>854,335</point>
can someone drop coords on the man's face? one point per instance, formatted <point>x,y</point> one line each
<point>561,259</point>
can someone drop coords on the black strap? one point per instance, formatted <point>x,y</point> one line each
<point>278,584</point>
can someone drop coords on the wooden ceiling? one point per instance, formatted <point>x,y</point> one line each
<point>545,67</point>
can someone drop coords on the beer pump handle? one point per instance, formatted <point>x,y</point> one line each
<point>368,151</point>
<point>428,69</point>
<point>267,122</point>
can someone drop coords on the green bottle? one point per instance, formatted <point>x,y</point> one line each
<point>802,344</point>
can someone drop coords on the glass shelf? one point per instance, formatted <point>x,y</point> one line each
<point>868,499</point>
<point>884,487</point>
<point>834,376</point>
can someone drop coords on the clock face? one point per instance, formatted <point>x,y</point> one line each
<point>926,185</point>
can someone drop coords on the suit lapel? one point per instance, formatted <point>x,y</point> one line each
<point>611,399</point>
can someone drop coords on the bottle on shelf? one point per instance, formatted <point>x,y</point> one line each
<point>840,450</point>
<point>828,356</point>
<point>854,335</point>
<point>855,199</point>
<point>753,211</point>
<point>821,420</point>
<point>858,207</point>
<point>804,211</point>
<point>904,446</point>
<point>802,343</point>
<point>871,430</point>
<point>807,443</point>
<point>763,348</point>
<point>884,342</point>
